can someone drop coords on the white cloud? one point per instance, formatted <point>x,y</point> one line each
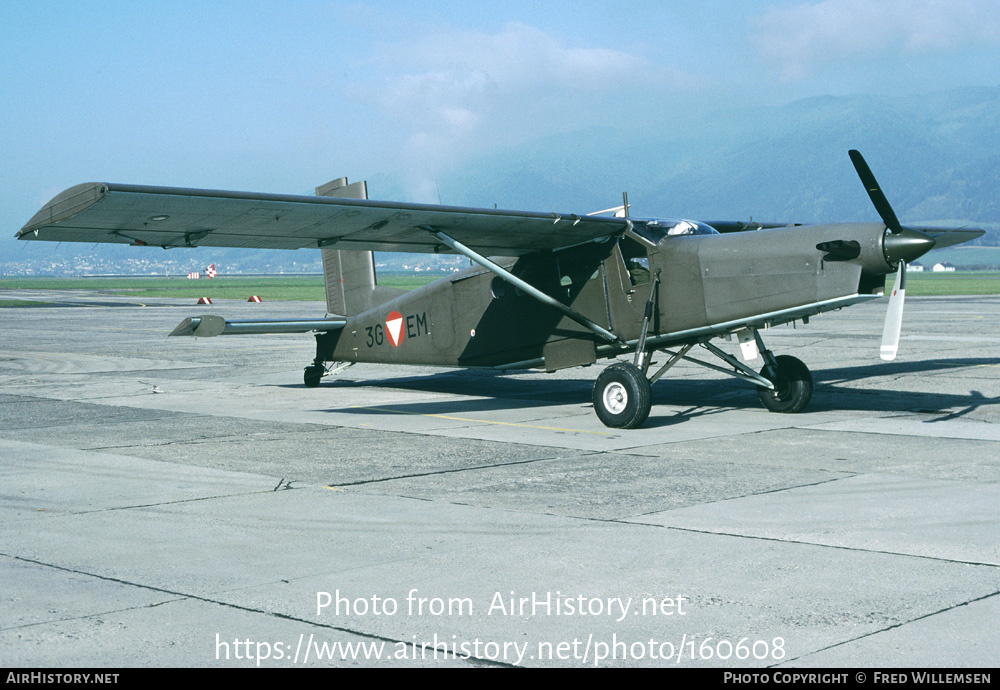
<point>481,73</point>
<point>461,90</point>
<point>520,55</point>
<point>802,37</point>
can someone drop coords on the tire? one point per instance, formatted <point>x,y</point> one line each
<point>622,396</point>
<point>312,375</point>
<point>793,386</point>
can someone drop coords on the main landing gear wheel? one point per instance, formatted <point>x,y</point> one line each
<point>793,385</point>
<point>313,374</point>
<point>622,396</point>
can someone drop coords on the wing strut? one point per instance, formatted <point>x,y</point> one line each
<point>525,287</point>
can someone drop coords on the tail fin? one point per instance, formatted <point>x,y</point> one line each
<point>350,275</point>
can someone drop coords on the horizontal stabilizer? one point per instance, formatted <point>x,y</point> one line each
<point>209,325</point>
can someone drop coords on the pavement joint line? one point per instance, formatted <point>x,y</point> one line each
<point>431,433</point>
<point>890,627</point>
<point>204,439</point>
<point>817,427</point>
<point>841,547</point>
<point>630,520</point>
<point>764,492</point>
<point>481,421</point>
<point>238,607</point>
<point>288,486</point>
<point>184,442</point>
<point>633,449</point>
<point>93,615</point>
<point>362,482</point>
<point>89,425</point>
<point>290,436</point>
<point>713,436</point>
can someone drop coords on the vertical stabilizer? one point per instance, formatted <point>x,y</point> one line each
<point>350,275</point>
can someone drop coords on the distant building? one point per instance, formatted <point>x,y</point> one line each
<point>941,267</point>
<point>917,267</point>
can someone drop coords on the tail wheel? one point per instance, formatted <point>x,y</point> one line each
<point>312,375</point>
<point>622,396</point>
<point>793,385</point>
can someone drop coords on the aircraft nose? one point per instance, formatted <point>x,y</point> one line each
<point>906,245</point>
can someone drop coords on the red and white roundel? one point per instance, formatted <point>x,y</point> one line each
<point>394,328</point>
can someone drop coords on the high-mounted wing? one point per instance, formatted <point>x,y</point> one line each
<point>175,217</point>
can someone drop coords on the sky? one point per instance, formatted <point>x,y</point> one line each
<point>283,96</point>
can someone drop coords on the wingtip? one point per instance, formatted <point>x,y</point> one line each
<point>62,206</point>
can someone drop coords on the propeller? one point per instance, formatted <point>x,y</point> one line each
<point>875,192</point>
<point>894,316</point>
<point>900,245</point>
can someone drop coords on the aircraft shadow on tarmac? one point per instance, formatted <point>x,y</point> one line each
<point>897,368</point>
<point>949,405</point>
<point>496,391</point>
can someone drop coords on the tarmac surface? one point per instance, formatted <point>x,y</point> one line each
<point>188,502</point>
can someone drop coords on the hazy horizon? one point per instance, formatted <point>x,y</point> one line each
<point>280,98</point>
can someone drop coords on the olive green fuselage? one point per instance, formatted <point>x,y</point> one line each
<point>474,318</point>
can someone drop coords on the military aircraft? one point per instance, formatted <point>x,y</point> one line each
<point>561,290</point>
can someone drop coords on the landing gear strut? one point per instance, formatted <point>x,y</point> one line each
<point>314,373</point>
<point>623,395</point>
<point>317,370</point>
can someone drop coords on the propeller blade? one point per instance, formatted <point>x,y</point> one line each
<point>947,237</point>
<point>894,316</point>
<point>875,192</point>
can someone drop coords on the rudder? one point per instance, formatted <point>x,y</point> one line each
<point>350,275</point>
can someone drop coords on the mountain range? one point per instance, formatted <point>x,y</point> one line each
<point>936,156</point>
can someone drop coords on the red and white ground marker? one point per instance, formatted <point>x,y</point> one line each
<point>194,275</point>
<point>204,300</point>
<point>254,298</point>
<point>210,271</point>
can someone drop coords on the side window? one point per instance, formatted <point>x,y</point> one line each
<point>636,260</point>
<point>570,272</point>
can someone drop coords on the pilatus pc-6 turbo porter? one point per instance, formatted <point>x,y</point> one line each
<point>562,290</point>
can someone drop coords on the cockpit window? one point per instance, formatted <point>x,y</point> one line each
<point>654,231</point>
<point>636,258</point>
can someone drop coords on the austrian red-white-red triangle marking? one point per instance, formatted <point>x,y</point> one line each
<point>394,328</point>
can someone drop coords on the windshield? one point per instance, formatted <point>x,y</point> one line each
<point>655,230</point>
